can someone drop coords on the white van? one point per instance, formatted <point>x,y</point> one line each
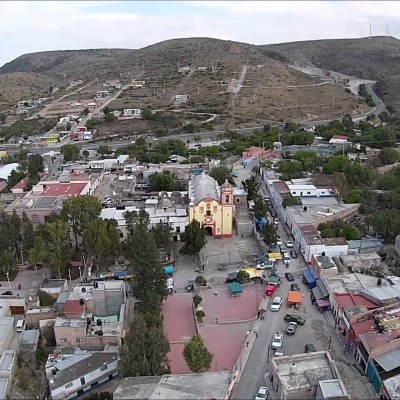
<point>21,325</point>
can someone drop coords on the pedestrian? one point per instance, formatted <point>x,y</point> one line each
<point>216,320</point>
<point>247,344</point>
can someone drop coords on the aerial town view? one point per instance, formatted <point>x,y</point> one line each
<point>200,200</point>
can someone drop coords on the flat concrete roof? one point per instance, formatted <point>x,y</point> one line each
<point>5,323</point>
<point>343,283</point>
<point>136,388</point>
<point>211,385</point>
<point>304,371</point>
<point>360,257</point>
<point>3,387</point>
<point>333,388</point>
<point>7,360</point>
<point>315,213</point>
<point>53,283</point>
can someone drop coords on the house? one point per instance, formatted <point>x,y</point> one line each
<point>254,151</point>
<point>132,112</point>
<point>211,205</point>
<point>54,287</point>
<point>71,375</point>
<point>181,98</point>
<point>356,262</point>
<point>323,264</point>
<point>339,139</point>
<point>299,376</point>
<point>102,94</point>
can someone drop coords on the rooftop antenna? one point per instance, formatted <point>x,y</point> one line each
<point>387,30</point>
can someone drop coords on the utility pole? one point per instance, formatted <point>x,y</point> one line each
<point>370,31</point>
<point>198,90</point>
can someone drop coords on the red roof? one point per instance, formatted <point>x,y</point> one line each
<point>281,187</point>
<point>344,300</point>
<point>363,327</point>
<point>3,185</point>
<point>374,339</point>
<point>340,137</point>
<point>74,307</point>
<point>63,189</point>
<point>21,184</point>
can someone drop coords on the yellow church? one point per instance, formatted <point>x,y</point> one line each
<point>211,205</point>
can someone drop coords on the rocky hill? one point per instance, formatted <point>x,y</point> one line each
<point>376,58</point>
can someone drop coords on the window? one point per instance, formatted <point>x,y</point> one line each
<point>308,192</point>
<point>104,367</point>
<point>227,198</point>
<point>208,213</point>
<point>201,209</point>
<point>68,385</point>
<point>83,380</point>
<point>293,192</point>
<point>215,209</point>
<point>237,200</point>
<point>178,229</point>
<point>78,339</point>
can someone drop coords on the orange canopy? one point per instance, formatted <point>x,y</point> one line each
<point>294,297</point>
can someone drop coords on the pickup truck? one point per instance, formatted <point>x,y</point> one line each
<point>294,318</point>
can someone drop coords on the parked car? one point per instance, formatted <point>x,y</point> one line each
<point>293,253</point>
<point>276,304</point>
<point>294,287</point>
<point>289,244</point>
<point>291,328</point>
<point>277,340</point>
<point>276,221</point>
<point>278,241</point>
<point>7,293</point>
<point>309,348</point>
<point>295,318</point>
<point>286,258</point>
<point>262,393</point>
<point>289,276</point>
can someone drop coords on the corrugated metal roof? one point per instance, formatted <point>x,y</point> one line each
<point>390,360</point>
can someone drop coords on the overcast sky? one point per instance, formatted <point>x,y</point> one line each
<point>31,26</point>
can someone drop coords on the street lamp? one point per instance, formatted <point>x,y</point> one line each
<point>8,279</point>
<point>69,273</point>
<point>22,256</point>
<point>80,273</point>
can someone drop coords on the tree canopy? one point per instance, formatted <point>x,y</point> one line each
<point>194,238</point>
<point>197,356</point>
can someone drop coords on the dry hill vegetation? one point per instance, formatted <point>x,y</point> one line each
<point>264,97</point>
<point>376,58</point>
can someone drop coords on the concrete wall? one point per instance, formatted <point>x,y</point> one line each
<point>33,317</point>
<point>107,302</point>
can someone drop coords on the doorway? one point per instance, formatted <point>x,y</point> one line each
<point>209,230</point>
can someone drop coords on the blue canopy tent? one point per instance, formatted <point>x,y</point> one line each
<point>235,288</point>
<point>260,223</point>
<point>310,278</point>
<point>169,270</point>
<point>120,275</point>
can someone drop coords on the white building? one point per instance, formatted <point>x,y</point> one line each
<point>161,210</point>
<point>132,112</point>
<point>308,191</point>
<point>102,94</point>
<point>74,374</point>
<point>108,163</point>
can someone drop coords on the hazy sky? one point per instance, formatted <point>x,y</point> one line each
<point>31,26</point>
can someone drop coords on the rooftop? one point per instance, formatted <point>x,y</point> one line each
<point>360,257</point>
<point>136,388</point>
<point>76,366</point>
<point>3,185</point>
<point>5,170</point>
<point>281,187</point>
<point>325,262</point>
<point>5,324</point>
<point>372,340</point>
<point>332,389</point>
<point>63,189</point>
<point>336,241</point>
<point>344,283</point>
<point>74,307</point>
<point>203,187</point>
<point>303,371</point>
<point>53,283</point>
<point>30,337</point>
<point>207,385</point>
<point>7,360</point>
<point>382,294</point>
<point>315,213</point>
<point>345,300</point>
<point>392,386</point>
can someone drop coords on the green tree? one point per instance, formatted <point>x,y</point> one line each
<point>197,299</point>
<point>260,208</point>
<point>79,211</point>
<point>336,164</point>
<point>106,110</point>
<point>15,176</point>
<point>149,285</point>
<point>35,165</point>
<point>95,240</point>
<point>110,117</point>
<point>291,201</point>
<point>270,234</point>
<point>161,181</point>
<point>58,250</point>
<point>145,348</point>
<point>251,186</point>
<point>38,253</point>
<point>70,152</point>
<point>221,174</point>
<point>194,239</point>
<point>309,159</point>
<point>85,112</point>
<point>243,276</point>
<point>347,122</point>
<point>85,153</point>
<point>384,116</point>
<point>197,356</point>
<point>113,236</point>
<point>162,234</point>
<point>388,156</point>
<point>7,261</point>
<point>28,236</point>
<point>104,150</point>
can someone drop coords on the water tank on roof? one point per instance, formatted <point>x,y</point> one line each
<point>95,284</point>
<point>379,283</point>
<point>305,208</point>
<point>81,302</point>
<point>100,333</point>
<point>54,371</point>
<point>83,290</point>
<point>293,369</point>
<point>98,322</point>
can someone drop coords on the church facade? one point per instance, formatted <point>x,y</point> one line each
<point>212,205</point>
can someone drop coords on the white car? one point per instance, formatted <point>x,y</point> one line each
<point>276,304</point>
<point>278,241</point>
<point>289,244</point>
<point>277,340</point>
<point>276,221</point>
<point>263,393</point>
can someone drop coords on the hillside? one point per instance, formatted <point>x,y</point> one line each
<point>266,90</point>
<point>68,63</point>
<point>376,58</point>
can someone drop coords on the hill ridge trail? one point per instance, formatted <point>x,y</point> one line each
<point>235,85</point>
